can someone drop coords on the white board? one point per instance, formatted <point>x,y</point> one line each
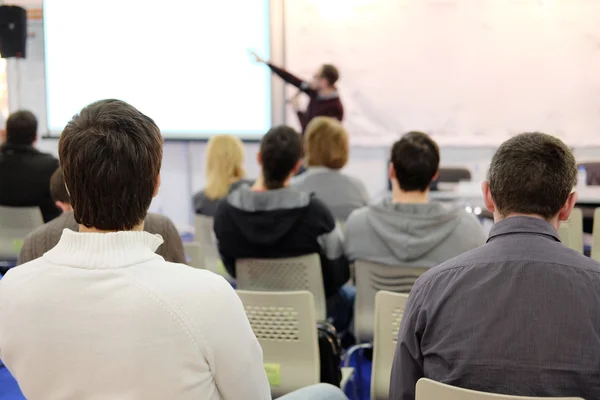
<point>470,72</point>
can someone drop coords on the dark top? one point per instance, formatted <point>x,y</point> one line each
<point>25,178</point>
<point>327,106</point>
<point>205,206</point>
<point>279,224</point>
<point>519,315</point>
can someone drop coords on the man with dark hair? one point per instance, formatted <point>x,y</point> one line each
<point>272,220</point>
<point>520,314</point>
<point>24,171</point>
<point>111,317</point>
<point>324,97</point>
<point>406,229</point>
<point>47,236</point>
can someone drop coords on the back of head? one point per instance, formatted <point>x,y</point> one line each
<point>532,173</point>
<point>21,128</point>
<point>280,151</point>
<point>326,143</point>
<point>58,190</point>
<point>224,159</point>
<point>330,73</point>
<point>416,160</point>
<point>111,156</point>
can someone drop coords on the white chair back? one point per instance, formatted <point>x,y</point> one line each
<point>284,324</point>
<point>204,236</point>
<point>194,254</point>
<point>15,224</point>
<point>570,231</point>
<point>596,236</point>
<point>431,390</point>
<point>371,278</point>
<point>389,308</point>
<point>284,274</point>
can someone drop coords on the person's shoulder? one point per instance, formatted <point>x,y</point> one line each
<point>53,228</point>
<point>157,219</point>
<point>455,265</point>
<point>357,218</point>
<point>180,280</point>
<point>22,276</point>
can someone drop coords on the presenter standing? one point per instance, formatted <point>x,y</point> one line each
<point>324,96</point>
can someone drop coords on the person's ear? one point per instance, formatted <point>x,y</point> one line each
<point>566,209</point>
<point>3,135</point>
<point>436,176</point>
<point>391,172</point>
<point>487,196</point>
<point>259,158</point>
<point>297,167</point>
<point>156,187</point>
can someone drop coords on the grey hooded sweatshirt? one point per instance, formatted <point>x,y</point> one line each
<point>411,235</point>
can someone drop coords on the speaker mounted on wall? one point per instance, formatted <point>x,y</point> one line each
<point>13,31</point>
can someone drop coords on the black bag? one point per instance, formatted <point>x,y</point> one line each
<point>330,352</point>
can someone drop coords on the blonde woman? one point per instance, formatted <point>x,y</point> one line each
<point>224,172</point>
<point>326,148</point>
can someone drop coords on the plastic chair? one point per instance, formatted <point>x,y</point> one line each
<point>596,236</point>
<point>389,308</point>
<point>431,390</point>
<point>194,254</point>
<point>284,324</point>
<point>205,238</point>
<point>570,231</point>
<point>371,278</point>
<point>284,274</point>
<point>15,224</point>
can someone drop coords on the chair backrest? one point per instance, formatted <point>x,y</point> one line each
<point>371,278</point>
<point>431,390</point>
<point>284,274</point>
<point>204,236</point>
<point>284,324</point>
<point>596,236</point>
<point>194,254</point>
<point>389,308</point>
<point>571,231</point>
<point>15,224</point>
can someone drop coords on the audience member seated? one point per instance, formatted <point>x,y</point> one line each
<point>47,236</point>
<point>326,144</point>
<point>271,220</point>
<point>520,314</point>
<point>407,229</point>
<point>25,171</point>
<point>224,173</point>
<point>101,315</point>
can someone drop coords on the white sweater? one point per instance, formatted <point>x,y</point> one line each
<point>101,316</point>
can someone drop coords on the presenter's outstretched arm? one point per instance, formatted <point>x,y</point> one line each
<point>286,76</point>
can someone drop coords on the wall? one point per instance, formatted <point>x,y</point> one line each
<point>183,163</point>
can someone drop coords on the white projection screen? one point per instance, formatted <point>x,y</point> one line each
<point>184,63</point>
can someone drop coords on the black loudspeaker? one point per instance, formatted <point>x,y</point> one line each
<point>13,31</point>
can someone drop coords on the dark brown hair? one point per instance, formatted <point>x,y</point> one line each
<point>330,73</point>
<point>111,155</point>
<point>532,173</point>
<point>280,150</point>
<point>58,190</point>
<point>326,143</point>
<point>21,128</point>
<point>416,160</point>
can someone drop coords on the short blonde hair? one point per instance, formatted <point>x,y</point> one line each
<point>224,165</point>
<point>326,143</point>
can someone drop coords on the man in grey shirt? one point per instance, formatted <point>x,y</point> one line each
<point>407,229</point>
<point>520,315</point>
